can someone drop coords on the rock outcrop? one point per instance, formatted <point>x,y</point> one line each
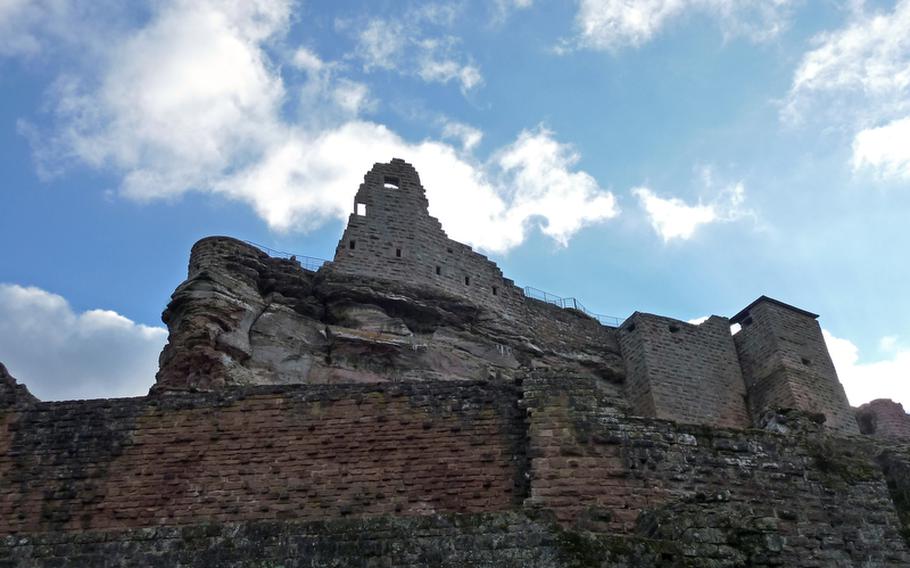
<point>245,318</point>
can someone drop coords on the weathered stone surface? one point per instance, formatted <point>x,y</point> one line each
<point>491,540</point>
<point>884,418</point>
<point>549,472</point>
<point>12,394</point>
<point>388,411</point>
<point>244,318</point>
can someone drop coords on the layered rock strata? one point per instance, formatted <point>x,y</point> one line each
<point>245,318</point>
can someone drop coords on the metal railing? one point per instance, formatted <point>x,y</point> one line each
<point>571,304</point>
<point>310,263</point>
<point>313,264</point>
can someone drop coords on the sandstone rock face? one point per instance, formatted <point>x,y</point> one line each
<point>245,318</point>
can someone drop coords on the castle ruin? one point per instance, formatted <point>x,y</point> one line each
<point>407,405</point>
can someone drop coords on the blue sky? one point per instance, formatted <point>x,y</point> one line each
<point>680,157</point>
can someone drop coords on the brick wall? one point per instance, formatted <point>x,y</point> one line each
<point>786,364</point>
<point>684,372</point>
<point>397,239</point>
<point>261,453</point>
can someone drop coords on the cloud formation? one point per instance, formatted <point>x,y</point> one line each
<point>672,218</point>
<point>60,354</point>
<point>887,377</point>
<point>390,45</point>
<point>193,101</point>
<point>885,150</point>
<point>616,24</point>
<point>858,78</point>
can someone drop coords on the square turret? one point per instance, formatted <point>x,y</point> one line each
<point>786,364</point>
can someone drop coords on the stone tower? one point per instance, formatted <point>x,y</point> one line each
<point>391,235</point>
<point>786,364</point>
<point>679,371</point>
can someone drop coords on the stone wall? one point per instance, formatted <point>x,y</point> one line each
<point>548,472</point>
<point>683,372</point>
<point>785,364</point>
<point>261,453</point>
<point>728,497</point>
<point>391,235</point>
<point>501,540</point>
<point>884,418</point>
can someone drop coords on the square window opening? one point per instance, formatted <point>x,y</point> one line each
<point>438,270</point>
<point>361,209</point>
<point>467,280</point>
<point>495,291</point>
<point>391,182</point>
<point>398,253</point>
<point>352,245</point>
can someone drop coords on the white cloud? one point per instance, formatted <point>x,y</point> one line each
<point>381,43</point>
<point>884,378</point>
<point>858,79</point>
<point>389,45</point>
<point>615,24</point>
<point>433,70</point>
<point>192,102</point>
<point>885,150</point>
<point>888,343</point>
<point>33,28</point>
<point>352,97</point>
<point>307,60</point>
<point>869,58</point>
<point>502,8</point>
<point>466,134</point>
<point>672,218</point>
<point>311,178</point>
<point>60,354</point>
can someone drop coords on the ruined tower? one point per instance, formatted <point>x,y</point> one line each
<point>786,364</point>
<point>391,235</point>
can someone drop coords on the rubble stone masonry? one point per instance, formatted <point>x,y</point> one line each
<point>552,470</point>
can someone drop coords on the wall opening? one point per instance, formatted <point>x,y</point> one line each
<point>391,182</point>
<point>438,270</point>
<point>361,209</point>
<point>397,253</point>
<point>495,291</point>
<point>352,245</point>
<point>673,328</point>
<point>467,280</point>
